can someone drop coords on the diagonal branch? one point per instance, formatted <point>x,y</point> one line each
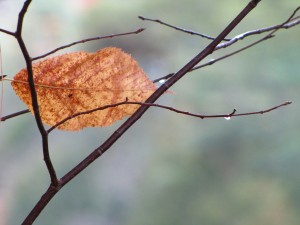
<point>162,89</point>
<point>86,40</point>
<point>50,193</point>
<point>7,32</point>
<point>290,22</point>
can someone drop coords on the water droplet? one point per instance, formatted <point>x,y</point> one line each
<point>162,81</point>
<point>227,118</point>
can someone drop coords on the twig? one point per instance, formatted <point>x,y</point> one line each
<point>7,32</point>
<point>21,18</point>
<point>14,114</point>
<point>86,40</point>
<point>35,106</point>
<point>201,116</point>
<point>286,25</point>
<point>180,29</point>
<point>213,61</point>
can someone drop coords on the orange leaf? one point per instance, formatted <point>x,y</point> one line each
<point>81,81</point>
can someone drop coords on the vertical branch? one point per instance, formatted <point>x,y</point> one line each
<point>21,17</point>
<point>34,100</point>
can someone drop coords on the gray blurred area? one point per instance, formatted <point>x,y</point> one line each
<point>168,169</point>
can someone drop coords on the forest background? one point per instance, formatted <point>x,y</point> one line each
<point>168,168</point>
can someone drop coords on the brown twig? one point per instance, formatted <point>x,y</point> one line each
<point>290,22</point>
<point>7,32</point>
<point>86,40</point>
<point>14,115</point>
<point>230,41</point>
<point>180,29</point>
<point>35,106</point>
<point>213,61</point>
<point>201,116</point>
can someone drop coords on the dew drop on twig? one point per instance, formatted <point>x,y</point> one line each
<point>162,81</point>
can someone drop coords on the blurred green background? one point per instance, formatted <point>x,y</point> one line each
<point>168,169</point>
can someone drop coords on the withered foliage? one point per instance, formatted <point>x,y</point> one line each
<point>81,81</point>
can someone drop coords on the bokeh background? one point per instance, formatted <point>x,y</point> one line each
<point>168,169</point>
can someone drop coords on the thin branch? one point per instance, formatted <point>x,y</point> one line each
<point>201,116</point>
<point>35,106</point>
<point>286,25</point>
<point>7,32</point>
<point>262,111</point>
<point>180,29</point>
<point>86,40</point>
<point>213,61</point>
<point>21,17</point>
<point>14,115</point>
<point>255,32</point>
<point>86,112</point>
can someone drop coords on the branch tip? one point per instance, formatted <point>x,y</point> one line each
<point>233,112</point>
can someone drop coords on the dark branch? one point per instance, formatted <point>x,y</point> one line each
<point>201,116</point>
<point>180,29</point>
<point>163,78</point>
<point>3,76</point>
<point>35,106</point>
<point>14,115</point>
<point>162,89</point>
<point>213,61</point>
<point>262,111</point>
<point>290,22</point>
<point>7,32</point>
<point>86,40</point>
<point>21,17</point>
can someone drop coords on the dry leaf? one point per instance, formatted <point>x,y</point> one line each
<point>82,81</point>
